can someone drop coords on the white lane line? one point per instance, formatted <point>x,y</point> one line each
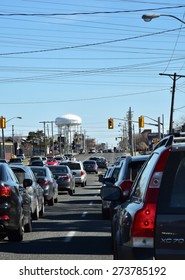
<point>91,203</point>
<point>84,214</point>
<point>69,236</point>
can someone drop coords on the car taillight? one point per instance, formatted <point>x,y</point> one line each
<point>5,191</point>
<point>82,172</point>
<point>5,217</point>
<point>143,224</point>
<point>64,177</point>
<point>44,183</point>
<point>144,219</point>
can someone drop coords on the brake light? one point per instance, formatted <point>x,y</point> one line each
<point>82,172</point>
<point>143,225</point>
<point>65,177</point>
<point>5,217</point>
<point>5,191</point>
<point>144,219</point>
<point>44,183</point>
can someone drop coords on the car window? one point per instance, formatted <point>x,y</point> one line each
<point>172,190</point>
<point>134,167</point>
<point>39,172</point>
<point>143,178</point>
<point>73,165</point>
<point>61,169</point>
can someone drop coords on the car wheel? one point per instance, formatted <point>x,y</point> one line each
<point>70,192</point>
<point>16,235</point>
<point>83,184</point>
<point>51,202</point>
<point>28,226</point>
<point>56,199</point>
<point>35,215</point>
<point>41,212</point>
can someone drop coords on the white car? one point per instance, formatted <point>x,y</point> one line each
<point>78,170</point>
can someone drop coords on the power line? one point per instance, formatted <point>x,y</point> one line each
<point>90,44</point>
<point>89,13</point>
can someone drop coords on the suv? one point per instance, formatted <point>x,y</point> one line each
<point>150,223</point>
<point>78,170</point>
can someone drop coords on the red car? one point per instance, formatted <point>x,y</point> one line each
<point>52,161</point>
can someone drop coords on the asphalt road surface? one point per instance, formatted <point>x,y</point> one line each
<point>72,229</point>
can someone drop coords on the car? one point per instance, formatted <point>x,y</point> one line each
<point>64,178</point>
<point>90,166</point>
<point>15,212</point>
<point>3,160</point>
<point>47,181</point>
<point>51,161</point>
<point>109,178</point>
<point>78,170</point>
<point>149,222</point>
<point>130,167</point>
<point>35,158</point>
<point>37,162</point>
<point>60,158</point>
<point>22,156</point>
<point>69,157</point>
<point>34,190</point>
<point>102,163</point>
<point>15,161</point>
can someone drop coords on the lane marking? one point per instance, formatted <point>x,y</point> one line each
<point>84,214</point>
<point>69,236</point>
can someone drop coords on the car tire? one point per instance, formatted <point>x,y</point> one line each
<point>28,226</point>
<point>83,184</point>
<point>16,235</point>
<point>41,212</point>
<point>35,215</point>
<point>51,201</point>
<point>56,199</point>
<point>70,192</point>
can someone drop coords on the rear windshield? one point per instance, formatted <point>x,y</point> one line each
<point>89,162</point>
<point>73,165</point>
<point>39,172</point>
<point>172,190</point>
<point>57,169</point>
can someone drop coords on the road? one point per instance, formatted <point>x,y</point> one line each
<point>72,229</point>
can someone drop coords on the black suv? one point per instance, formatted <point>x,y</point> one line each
<point>15,209</point>
<point>150,221</point>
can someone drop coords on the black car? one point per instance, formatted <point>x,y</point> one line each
<point>48,183</point>
<point>150,220</point>
<point>15,209</point>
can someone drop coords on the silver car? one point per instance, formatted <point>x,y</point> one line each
<point>78,170</point>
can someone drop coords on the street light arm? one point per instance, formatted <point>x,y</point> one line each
<point>14,118</point>
<point>149,17</point>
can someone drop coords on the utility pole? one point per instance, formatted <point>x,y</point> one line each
<point>130,131</point>
<point>174,77</point>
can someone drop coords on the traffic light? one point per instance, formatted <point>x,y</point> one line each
<point>110,123</point>
<point>2,122</point>
<point>141,121</point>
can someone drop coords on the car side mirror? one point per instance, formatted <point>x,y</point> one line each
<point>27,183</point>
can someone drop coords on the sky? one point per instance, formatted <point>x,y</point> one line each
<point>95,59</point>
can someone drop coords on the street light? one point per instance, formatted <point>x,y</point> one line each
<point>149,17</point>
<point>14,118</point>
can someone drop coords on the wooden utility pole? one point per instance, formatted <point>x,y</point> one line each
<point>174,77</point>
